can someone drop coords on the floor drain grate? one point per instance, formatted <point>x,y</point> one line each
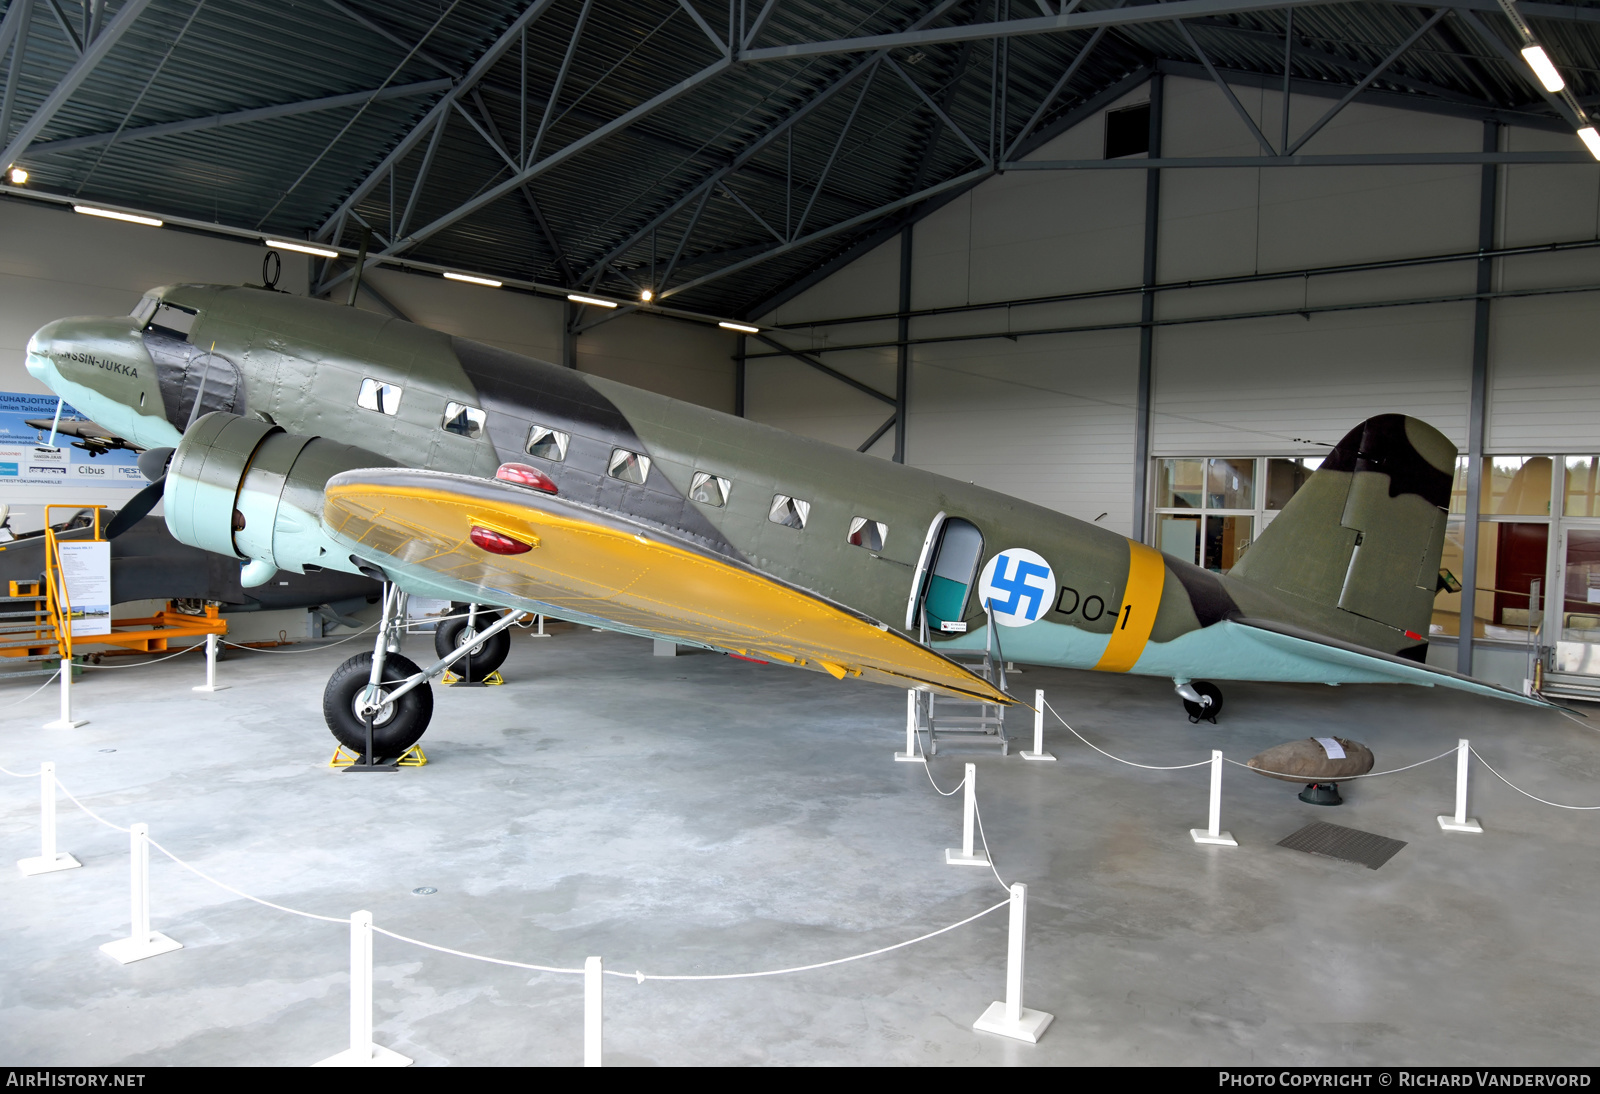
<point>1347,844</point>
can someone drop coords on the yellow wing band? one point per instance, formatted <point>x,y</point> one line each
<point>1147,574</point>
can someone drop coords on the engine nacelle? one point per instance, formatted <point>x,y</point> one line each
<point>241,487</point>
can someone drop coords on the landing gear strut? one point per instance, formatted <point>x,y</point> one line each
<point>1201,698</point>
<point>463,629</point>
<point>379,704</point>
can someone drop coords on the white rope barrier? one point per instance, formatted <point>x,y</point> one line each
<point>1344,778</point>
<point>1524,793</point>
<point>1119,759</point>
<point>34,692</point>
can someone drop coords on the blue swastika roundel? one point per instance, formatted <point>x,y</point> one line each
<point>1016,587</point>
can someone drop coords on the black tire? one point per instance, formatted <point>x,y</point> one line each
<point>492,653</point>
<point>397,727</point>
<point>1208,713</point>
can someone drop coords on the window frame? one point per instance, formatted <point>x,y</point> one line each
<point>377,387</point>
<point>802,510</point>
<point>642,462</point>
<point>562,444</point>
<point>481,421</point>
<point>701,478</point>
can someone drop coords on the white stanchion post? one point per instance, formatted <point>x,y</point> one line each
<point>66,721</point>
<point>1010,1018</point>
<point>212,643</point>
<point>141,942</point>
<point>911,755</point>
<point>1461,822</point>
<point>593,985</point>
<point>49,859</point>
<point>1214,833</point>
<point>363,1051</point>
<point>967,856</point>
<point>1038,753</point>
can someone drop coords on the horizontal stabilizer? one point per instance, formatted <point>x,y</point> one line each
<point>595,563</point>
<point>1309,644</point>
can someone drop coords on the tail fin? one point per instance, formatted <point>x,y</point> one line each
<point>1366,531</point>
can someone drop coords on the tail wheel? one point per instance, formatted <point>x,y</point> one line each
<point>395,726</point>
<point>1205,712</point>
<point>486,656</point>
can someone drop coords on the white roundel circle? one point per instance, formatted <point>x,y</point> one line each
<point>1016,587</point>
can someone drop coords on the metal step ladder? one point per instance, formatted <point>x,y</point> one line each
<point>28,643</point>
<point>947,718</point>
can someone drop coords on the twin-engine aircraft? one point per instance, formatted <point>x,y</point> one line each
<point>307,436</point>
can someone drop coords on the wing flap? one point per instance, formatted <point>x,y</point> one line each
<point>596,563</point>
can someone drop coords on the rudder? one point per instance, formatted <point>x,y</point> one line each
<point>1365,533</point>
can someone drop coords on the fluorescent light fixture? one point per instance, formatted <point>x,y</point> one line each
<point>303,248</point>
<point>493,284</point>
<point>1539,61</point>
<point>17,175</point>
<point>595,300</point>
<point>1591,140</point>
<point>744,327</point>
<point>646,295</point>
<point>112,214</point>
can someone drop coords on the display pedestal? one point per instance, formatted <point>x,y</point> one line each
<point>1029,1027</point>
<point>128,950</point>
<point>1221,839</point>
<point>378,1057</point>
<point>41,865</point>
<point>1450,824</point>
<point>954,857</point>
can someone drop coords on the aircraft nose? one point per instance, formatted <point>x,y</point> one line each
<point>40,364</point>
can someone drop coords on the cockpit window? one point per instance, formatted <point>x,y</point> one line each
<point>146,307</point>
<point>173,319</point>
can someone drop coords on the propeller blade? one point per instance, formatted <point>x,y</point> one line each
<point>153,462</point>
<point>137,509</point>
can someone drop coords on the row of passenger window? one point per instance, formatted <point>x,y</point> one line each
<point>551,444</point>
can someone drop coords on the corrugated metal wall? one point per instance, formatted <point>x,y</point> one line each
<point>1050,418</point>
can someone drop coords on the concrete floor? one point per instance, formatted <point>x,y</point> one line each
<point>702,814</point>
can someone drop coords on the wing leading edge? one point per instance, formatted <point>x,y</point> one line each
<point>596,563</point>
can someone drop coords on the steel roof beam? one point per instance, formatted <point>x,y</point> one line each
<point>1373,97</point>
<point>820,234</point>
<point>384,32</point>
<point>436,113</point>
<point>709,181</point>
<point>553,160</point>
<point>1233,100</point>
<point>239,117</point>
<point>13,36</point>
<point>1118,17</point>
<point>561,81</point>
<point>1353,159</point>
<point>79,72</point>
<point>939,113</point>
<point>497,140</point>
<point>759,25</point>
<point>66,26</point>
<point>1366,81</point>
<point>700,21</point>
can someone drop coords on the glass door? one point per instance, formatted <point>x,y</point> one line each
<point>1576,630</point>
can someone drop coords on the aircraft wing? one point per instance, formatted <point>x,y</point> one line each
<point>1303,643</point>
<point>597,563</point>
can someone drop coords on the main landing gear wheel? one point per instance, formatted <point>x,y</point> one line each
<point>395,726</point>
<point>485,657</point>
<point>1207,712</point>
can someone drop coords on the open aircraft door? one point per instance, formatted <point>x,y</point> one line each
<point>945,575</point>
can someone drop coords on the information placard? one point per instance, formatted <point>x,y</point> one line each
<point>86,569</point>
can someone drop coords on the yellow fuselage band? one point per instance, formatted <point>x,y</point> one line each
<point>1147,574</point>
